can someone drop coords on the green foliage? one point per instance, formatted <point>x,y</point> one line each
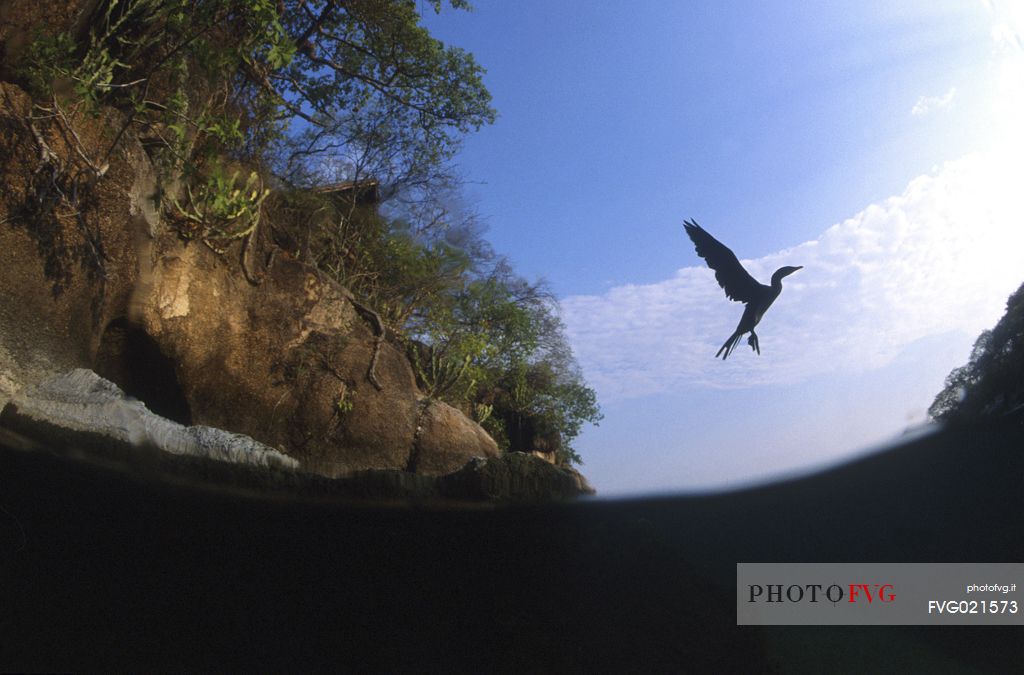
<point>382,260</point>
<point>478,336</point>
<point>232,96</point>
<point>381,97</point>
<point>507,362</point>
<point>992,381</point>
<point>960,380</point>
<point>93,69</point>
<point>47,58</point>
<point>219,208</point>
<point>543,403</point>
<point>482,412</point>
<point>293,86</point>
<point>344,403</point>
<point>436,373</point>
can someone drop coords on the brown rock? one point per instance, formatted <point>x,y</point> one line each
<point>20,20</point>
<point>447,440</point>
<point>277,351</point>
<point>64,273</point>
<point>285,361</point>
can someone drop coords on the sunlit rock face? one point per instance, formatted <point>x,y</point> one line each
<point>249,341</point>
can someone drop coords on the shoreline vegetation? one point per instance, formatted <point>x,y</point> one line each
<point>321,133</point>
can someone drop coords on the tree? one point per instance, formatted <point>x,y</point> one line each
<point>992,381</point>
<point>508,363</point>
<point>478,336</point>
<point>960,380</point>
<point>353,88</point>
<point>379,96</point>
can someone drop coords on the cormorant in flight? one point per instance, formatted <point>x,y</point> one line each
<point>738,285</point>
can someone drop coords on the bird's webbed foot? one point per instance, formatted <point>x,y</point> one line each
<point>752,341</point>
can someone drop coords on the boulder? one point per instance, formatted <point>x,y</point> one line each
<point>81,409</point>
<point>445,437</point>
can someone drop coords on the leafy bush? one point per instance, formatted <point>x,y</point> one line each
<point>221,208</point>
<point>992,381</point>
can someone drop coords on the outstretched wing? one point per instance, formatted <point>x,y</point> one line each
<point>731,276</point>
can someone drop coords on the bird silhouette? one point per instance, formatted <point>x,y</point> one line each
<point>738,285</point>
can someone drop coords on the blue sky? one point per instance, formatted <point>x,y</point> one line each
<point>877,146</point>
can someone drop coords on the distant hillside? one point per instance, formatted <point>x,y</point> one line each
<point>991,383</point>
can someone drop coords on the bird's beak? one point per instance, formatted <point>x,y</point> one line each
<point>793,269</point>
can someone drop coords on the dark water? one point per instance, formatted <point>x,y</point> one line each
<point>107,568</point>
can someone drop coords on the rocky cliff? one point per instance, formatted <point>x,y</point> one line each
<point>246,339</point>
<point>92,277</point>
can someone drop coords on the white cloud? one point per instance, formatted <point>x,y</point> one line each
<point>1006,37</point>
<point>1008,22</point>
<point>941,256</point>
<point>926,104</point>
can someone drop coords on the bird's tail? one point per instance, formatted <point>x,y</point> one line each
<point>729,345</point>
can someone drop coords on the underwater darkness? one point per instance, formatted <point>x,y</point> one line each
<point>108,567</point>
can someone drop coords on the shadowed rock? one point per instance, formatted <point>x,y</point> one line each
<point>81,405</point>
<point>517,476</point>
<point>89,418</point>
